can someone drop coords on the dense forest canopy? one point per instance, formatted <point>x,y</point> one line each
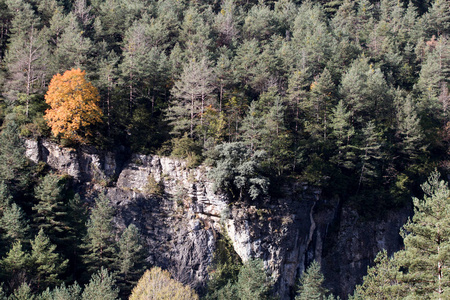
<point>350,96</point>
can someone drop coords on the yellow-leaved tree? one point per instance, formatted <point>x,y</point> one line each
<point>157,284</point>
<point>73,106</point>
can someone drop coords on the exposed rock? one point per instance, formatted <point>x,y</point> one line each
<point>180,227</point>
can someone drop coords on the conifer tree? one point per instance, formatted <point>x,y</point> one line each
<point>13,161</point>
<point>72,292</point>
<point>311,284</point>
<point>47,264</point>
<point>51,211</point>
<point>427,241</point>
<point>130,257</point>
<point>99,242</point>
<point>15,266</point>
<point>14,223</point>
<point>5,197</point>
<point>192,93</point>
<point>342,134</point>
<point>23,292</point>
<point>101,286</point>
<point>253,283</point>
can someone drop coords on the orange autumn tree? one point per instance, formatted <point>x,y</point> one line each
<point>73,106</point>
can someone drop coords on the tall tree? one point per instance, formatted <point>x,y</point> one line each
<point>15,266</point>
<point>253,282</point>
<point>47,264</point>
<point>99,241</point>
<point>51,210</point>
<point>192,94</point>
<point>100,287</point>
<point>311,284</point>
<point>129,258</point>
<point>74,106</point>
<point>14,223</point>
<point>13,162</point>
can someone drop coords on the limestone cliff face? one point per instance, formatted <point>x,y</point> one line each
<point>181,225</point>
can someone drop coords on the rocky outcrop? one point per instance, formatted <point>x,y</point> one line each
<point>181,224</point>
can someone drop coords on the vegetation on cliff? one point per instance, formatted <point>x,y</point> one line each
<point>350,96</point>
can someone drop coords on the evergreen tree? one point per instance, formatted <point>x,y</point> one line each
<point>418,271</point>
<point>383,281</point>
<point>253,283</point>
<point>101,287</point>
<point>427,242</point>
<point>15,266</point>
<point>14,224</point>
<point>5,197</point>
<point>46,262</point>
<point>13,161</point>
<point>311,284</point>
<point>342,134</point>
<point>23,292</point>
<point>51,211</point>
<point>370,155</point>
<point>129,258</point>
<point>99,240</point>
<point>72,292</point>
<point>192,94</point>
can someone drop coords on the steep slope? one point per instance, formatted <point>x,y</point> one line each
<point>182,224</point>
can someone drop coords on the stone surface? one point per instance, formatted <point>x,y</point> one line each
<point>181,226</point>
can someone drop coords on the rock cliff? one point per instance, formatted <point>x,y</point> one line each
<point>181,225</point>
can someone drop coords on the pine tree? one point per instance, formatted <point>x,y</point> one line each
<point>14,223</point>
<point>192,94</point>
<point>99,242</point>
<point>427,241</point>
<point>23,292</point>
<point>311,284</point>
<point>5,197</point>
<point>419,271</point>
<point>253,283</point>
<point>371,153</point>
<point>15,266</point>
<point>129,259</point>
<point>46,262</point>
<point>101,287</point>
<point>13,161</point>
<point>383,281</point>
<point>342,134</point>
<point>409,129</point>
<point>72,292</point>
<point>51,211</point>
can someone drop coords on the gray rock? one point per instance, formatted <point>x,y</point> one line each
<point>180,227</point>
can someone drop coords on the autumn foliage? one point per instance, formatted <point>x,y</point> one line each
<point>73,106</point>
<point>157,284</point>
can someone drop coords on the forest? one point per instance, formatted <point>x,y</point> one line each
<point>351,97</point>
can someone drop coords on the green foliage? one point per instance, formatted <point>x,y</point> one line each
<point>47,264</point>
<point>101,287</point>
<point>130,258</point>
<point>186,148</point>
<point>253,282</point>
<point>225,271</point>
<point>51,211</point>
<point>311,284</point>
<point>14,223</point>
<point>237,171</point>
<point>99,240</point>
<point>15,266</point>
<point>13,163</point>
<point>418,271</point>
